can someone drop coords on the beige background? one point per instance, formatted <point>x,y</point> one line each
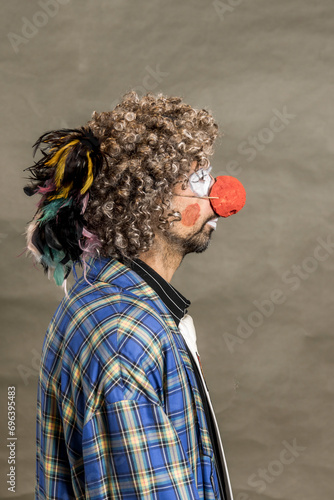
<point>247,61</point>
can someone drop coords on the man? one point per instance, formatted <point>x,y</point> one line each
<point>123,410</point>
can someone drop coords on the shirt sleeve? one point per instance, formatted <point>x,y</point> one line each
<point>131,450</point>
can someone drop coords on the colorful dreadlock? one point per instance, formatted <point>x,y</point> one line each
<point>57,236</point>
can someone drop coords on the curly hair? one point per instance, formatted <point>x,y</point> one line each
<point>149,143</point>
<point>107,187</point>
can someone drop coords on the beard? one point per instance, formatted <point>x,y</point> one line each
<point>195,243</point>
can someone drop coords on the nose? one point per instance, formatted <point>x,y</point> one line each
<point>227,195</point>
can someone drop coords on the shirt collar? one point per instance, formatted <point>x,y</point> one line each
<point>175,302</point>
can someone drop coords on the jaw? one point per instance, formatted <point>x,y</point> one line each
<point>197,242</point>
<point>169,248</point>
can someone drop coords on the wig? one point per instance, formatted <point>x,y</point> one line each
<point>107,187</point>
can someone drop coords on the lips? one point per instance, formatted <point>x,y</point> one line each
<point>213,223</point>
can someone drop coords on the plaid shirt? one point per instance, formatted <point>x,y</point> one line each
<point>119,413</point>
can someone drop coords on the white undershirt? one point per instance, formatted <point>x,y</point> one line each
<point>187,330</point>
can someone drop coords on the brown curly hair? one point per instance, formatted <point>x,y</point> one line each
<point>150,143</point>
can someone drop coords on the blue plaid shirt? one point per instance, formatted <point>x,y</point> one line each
<point>119,412</point>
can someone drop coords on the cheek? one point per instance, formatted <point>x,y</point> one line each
<point>190,215</point>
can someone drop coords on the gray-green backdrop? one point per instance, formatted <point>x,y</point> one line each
<point>262,293</point>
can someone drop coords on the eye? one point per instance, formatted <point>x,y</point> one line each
<point>199,176</point>
<point>200,181</point>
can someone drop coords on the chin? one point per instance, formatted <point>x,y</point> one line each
<point>198,249</point>
<point>198,243</point>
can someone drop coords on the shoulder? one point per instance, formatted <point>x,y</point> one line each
<point>103,312</point>
<point>121,341</point>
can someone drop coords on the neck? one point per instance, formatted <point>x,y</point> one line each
<point>160,257</point>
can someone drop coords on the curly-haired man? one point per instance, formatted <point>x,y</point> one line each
<point>123,410</point>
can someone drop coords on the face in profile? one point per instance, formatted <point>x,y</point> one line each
<point>198,220</point>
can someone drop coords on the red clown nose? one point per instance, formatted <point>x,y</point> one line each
<point>228,196</point>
